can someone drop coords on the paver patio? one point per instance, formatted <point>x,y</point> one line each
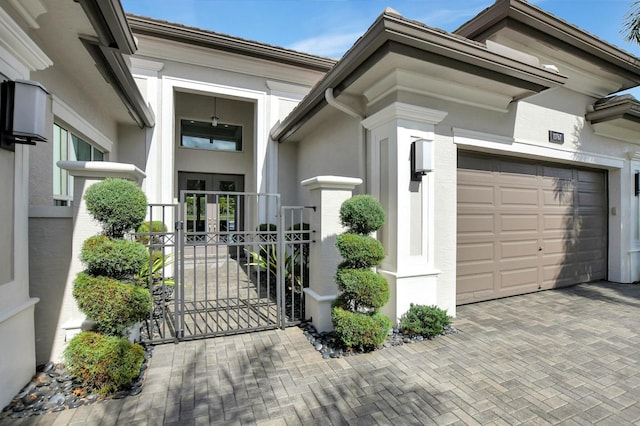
<point>569,356</point>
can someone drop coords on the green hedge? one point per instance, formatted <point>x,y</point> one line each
<point>360,331</point>
<point>362,288</point>
<point>157,226</point>
<point>425,320</point>
<point>118,204</point>
<point>362,214</point>
<point>112,304</point>
<point>115,258</point>
<point>359,251</point>
<point>104,363</point>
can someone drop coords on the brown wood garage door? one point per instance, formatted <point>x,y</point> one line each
<point>526,226</point>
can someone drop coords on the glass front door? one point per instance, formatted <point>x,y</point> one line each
<point>207,212</point>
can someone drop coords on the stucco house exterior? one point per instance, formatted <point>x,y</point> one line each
<point>528,161</point>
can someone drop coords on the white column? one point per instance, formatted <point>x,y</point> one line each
<point>85,174</point>
<point>408,233</point>
<point>327,195</point>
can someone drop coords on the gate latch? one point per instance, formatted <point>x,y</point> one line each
<point>179,225</point>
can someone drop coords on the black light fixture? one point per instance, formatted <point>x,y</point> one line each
<point>214,117</point>
<point>421,159</point>
<point>637,183</point>
<point>24,106</point>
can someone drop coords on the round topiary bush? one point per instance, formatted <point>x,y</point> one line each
<point>363,288</point>
<point>118,204</point>
<point>359,251</point>
<point>355,316</point>
<point>362,214</point>
<point>115,258</point>
<point>112,304</point>
<point>362,332</point>
<point>104,363</point>
<point>425,320</point>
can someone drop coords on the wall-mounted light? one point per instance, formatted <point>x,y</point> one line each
<point>421,158</point>
<point>637,183</point>
<point>24,106</point>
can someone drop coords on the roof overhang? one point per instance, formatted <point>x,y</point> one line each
<point>617,117</point>
<point>523,24</point>
<point>211,40</point>
<point>116,72</point>
<point>393,35</point>
<point>110,23</point>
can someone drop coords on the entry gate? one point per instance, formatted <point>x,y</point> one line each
<point>224,270</point>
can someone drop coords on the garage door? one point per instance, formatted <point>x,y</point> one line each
<point>526,226</point>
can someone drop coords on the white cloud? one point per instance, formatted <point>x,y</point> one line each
<point>331,45</point>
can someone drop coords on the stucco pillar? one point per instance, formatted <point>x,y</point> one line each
<point>408,233</point>
<point>327,195</point>
<point>85,174</point>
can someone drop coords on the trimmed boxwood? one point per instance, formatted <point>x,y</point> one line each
<point>115,258</point>
<point>358,331</point>
<point>425,320</point>
<point>359,251</point>
<point>103,363</point>
<point>363,288</point>
<point>143,237</point>
<point>362,214</point>
<point>118,204</point>
<point>112,304</point>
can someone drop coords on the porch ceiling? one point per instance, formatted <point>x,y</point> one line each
<point>58,33</point>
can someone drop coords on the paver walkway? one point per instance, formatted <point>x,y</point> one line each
<point>569,357</point>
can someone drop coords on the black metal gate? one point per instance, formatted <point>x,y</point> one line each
<point>234,270</point>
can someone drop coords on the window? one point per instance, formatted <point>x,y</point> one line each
<point>67,146</point>
<point>202,135</point>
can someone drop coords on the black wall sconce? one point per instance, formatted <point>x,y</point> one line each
<point>421,159</point>
<point>24,106</point>
<point>637,183</point>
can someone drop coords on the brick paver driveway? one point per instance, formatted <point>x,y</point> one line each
<point>568,356</point>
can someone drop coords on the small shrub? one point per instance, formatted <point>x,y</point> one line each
<point>103,363</point>
<point>359,251</point>
<point>362,289</point>
<point>118,204</point>
<point>115,258</point>
<point>145,228</point>
<point>425,320</point>
<point>362,214</point>
<point>268,230</point>
<point>360,331</point>
<point>112,304</point>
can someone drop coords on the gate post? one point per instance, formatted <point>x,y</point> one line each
<point>327,195</point>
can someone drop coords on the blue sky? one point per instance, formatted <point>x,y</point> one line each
<point>330,27</point>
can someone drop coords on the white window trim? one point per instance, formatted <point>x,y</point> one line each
<point>80,126</point>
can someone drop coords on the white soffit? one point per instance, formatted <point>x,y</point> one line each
<point>19,44</point>
<point>29,10</point>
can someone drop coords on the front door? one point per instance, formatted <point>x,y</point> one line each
<point>208,212</point>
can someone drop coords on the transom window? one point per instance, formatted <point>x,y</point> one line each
<point>67,146</point>
<point>202,135</point>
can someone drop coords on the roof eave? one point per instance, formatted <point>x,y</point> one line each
<point>209,39</point>
<point>628,109</point>
<point>110,23</point>
<point>393,28</point>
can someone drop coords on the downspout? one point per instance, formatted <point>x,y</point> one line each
<point>332,101</point>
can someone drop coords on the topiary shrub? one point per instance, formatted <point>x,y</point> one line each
<point>103,363</point>
<point>118,204</point>
<point>115,258</point>
<point>356,320</point>
<point>112,304</point>
<point>427,321</point>
<point>360,331</point>
<point>363,289</point>
<point>146,230</point>
<point>362,214</point>
<point>359,251</point>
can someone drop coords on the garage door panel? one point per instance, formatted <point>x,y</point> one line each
<point>519,249</point>
<point>545,225</point>
<point>518,223</point>
<point>474,224</point>
<point>476,195</point>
